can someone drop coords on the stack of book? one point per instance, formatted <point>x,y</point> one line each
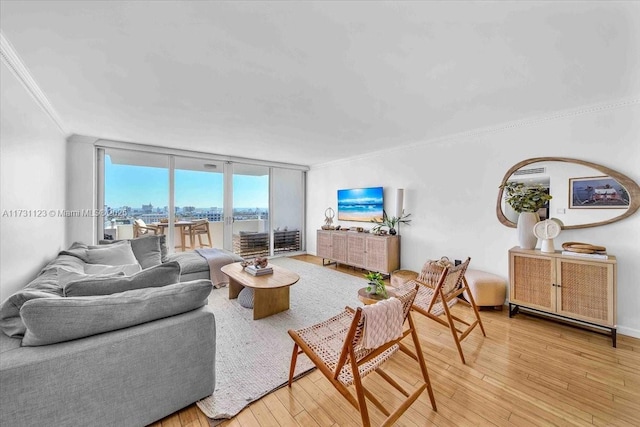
<point>257,271</point>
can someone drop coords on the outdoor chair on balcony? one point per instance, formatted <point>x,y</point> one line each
<point>142,229</point>
<point>355,343</point>
<point>199,228</point>
<point>440,285</point>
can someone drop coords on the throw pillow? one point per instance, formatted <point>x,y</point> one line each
<point>101,269</point>
<point>160,275</point>
<point>44,286</point>
<point>53,320</point>
<point>78,250</point>
<point>66,276</point>
<point>148,250</point>
<point>112,254</point>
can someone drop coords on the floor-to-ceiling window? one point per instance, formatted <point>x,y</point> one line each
<point>199,199</point>
<point>251,209</point>
<point>136,192</point>
<point>251,236</point>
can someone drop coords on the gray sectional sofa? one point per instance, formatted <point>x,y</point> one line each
<point>105,348</point>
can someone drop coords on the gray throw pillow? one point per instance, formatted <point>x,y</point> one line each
<point>65,276</point>
<point>159,275</point>
<point>78,250</point>
<point>53,320</point>
<point>101,269</point>
<point>112,254</point>
<point>44,286</point>
<point>148,250</point>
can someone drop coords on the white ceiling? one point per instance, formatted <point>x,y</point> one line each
<point>310,82</point>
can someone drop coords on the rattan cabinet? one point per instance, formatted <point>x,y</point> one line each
<point>361,250</point>
<point>574,288</point>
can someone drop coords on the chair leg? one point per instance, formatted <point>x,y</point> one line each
<point>294,358</point>
<point>452,326</point>
<point>473,305</point>
<point>421,362</point>
<point>362,403</point>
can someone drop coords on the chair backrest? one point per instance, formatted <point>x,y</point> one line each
<point>200,224</point>
<point>450,280</point>
<point>432,273</point>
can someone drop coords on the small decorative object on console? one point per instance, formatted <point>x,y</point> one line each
<point>586,250</point>
<point>546,231</point>
<point>329,214</point>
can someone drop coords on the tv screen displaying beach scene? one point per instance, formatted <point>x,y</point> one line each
<point>360,204</point>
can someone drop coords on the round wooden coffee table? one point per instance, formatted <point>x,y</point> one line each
<point>271,291</point>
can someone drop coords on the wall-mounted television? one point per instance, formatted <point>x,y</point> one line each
<point>360,204</point>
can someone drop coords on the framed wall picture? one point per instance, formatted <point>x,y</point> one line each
<point>597,192</point>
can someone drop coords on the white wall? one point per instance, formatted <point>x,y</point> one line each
<point>451,187</point>
<point>81,185</point>
<point>32,179</point>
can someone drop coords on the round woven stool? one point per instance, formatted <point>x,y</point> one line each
<point>488,290</point>
<point>400,277</point>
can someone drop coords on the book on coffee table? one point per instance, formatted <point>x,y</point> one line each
<point>257,271</point>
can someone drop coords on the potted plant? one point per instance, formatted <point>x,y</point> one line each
<point>526,200</point>
<point>376,284</point>
<point>391,222</point>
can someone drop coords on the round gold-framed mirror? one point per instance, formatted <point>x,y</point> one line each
<point>603,206</point>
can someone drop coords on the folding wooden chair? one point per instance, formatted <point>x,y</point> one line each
<point>438,289</point>
<point>337,348</point>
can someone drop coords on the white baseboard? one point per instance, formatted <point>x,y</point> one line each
<point>630,332</point>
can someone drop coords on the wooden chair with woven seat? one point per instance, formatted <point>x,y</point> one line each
<point>438,291</point>
<point>340,349</point>
<point>199,228</point>
<point>142,229</point>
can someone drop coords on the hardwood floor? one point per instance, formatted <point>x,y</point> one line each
<point>527,372</point>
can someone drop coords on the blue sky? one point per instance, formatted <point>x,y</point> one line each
<point>134,186</point>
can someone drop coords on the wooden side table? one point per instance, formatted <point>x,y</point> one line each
<point>368,298</point>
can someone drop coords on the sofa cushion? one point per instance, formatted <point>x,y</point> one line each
<point>102,269</point>
<point>159,275</point>
<point>52,320</point>
<point>78,250</point>
<point>117,254</point>
<point>68,262</point>
<point>148,250</point>
<point>44,286</point>
<point>65,276</point>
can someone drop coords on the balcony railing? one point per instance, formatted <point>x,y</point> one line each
<point>250,237</point>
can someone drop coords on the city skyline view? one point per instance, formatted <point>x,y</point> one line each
<point>135,186</point>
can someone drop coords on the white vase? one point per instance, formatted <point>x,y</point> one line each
<point>526,221</point>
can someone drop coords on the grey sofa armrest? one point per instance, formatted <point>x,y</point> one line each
<point>128,377</point>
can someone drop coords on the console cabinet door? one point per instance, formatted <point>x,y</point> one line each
<point>382,253</point>
<point>532,281</point>
<point>586,291</point>
<point>323,244</point>
<point>357,248</point>
<point>339,247</point>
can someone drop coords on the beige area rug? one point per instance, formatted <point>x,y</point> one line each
<point>253,356</point>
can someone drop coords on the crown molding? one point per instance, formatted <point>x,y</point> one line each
<point>14,63</point>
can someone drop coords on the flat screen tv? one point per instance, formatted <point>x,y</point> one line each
<point>360,204</point>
